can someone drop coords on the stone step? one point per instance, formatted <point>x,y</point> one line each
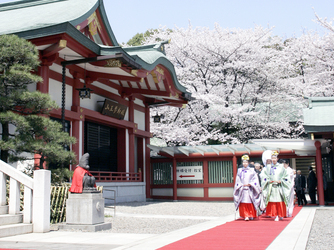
<point>7,219</point>
<point>15,229</point>
<point>3,209</point>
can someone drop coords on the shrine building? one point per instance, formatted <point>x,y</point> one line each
<point>104,91</point>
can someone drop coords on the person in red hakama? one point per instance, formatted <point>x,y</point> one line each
<point>276,186</point>
<point>247,190</point>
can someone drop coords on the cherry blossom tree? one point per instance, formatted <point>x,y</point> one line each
<point>245,84</point>
<point>235,77</point>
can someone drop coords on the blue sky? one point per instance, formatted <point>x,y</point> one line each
<point>290,17</point>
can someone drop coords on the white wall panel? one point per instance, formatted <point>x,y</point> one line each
<point>221,192</point>
<point>190,192</point>
<point>140,119</point>
<point>55,90</point>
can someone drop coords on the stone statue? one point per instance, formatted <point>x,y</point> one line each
<point>83,181</point>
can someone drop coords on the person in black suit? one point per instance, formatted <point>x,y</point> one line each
<point>303,189</point>
<point>311,184</point>
<point>300,185</point>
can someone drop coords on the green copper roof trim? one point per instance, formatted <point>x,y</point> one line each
<point>67,28</point>
<point>316,129</point>
<point>25,3</point>
<point>147,56</point>
<point>106,23</point>
<point>17,5</point>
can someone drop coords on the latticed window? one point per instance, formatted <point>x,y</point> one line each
<point>162,173</point>
<point>101,144</point>
<point>220,171</point>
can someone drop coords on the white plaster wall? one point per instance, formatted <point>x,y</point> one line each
<point>139,102</point>
<point>221,192</point>
<point>107,88</point>
<point>162,191</point>
<point>55,91</point>
<point>94,103</point>
<point>32,87</point>
<point>190,192</point>
<point>140,119</point>
<point>27,164</point>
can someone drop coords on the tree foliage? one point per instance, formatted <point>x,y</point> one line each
<point>24,119</point>
<point>140,38</point>
<point>246,84</point>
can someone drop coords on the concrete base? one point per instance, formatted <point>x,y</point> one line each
<point>85,209</point>
<point>118,192</point>
<point>86,228</point>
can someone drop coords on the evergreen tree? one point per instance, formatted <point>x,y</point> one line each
<point>26,113</point>
<point>140,38</point>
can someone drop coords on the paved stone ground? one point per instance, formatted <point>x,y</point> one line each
<point>157,217</point>
<point>161,217</point>
<point>322,231</point>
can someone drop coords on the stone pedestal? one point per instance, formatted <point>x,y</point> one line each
<point>85,211</point>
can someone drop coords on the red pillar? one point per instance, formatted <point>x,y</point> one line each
<point>140,154</point>
<point>131,137</point>
<point>43,71</point>
<point>206,179</point>
<point>76,133</point>
<point>147,154</point>
<point>235,168</point>
<point>76,123</point>
<point>148,169</point>
<point>121,150</point>
<point>318,161</point>
<point>75,92</point>
<point>174,181</point>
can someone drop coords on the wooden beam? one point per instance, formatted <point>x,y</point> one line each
<point>54,48</point>
<point>113,76</point>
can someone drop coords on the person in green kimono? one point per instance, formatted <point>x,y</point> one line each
<point>276,188</point>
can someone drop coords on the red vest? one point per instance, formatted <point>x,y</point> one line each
<point>78,175</point>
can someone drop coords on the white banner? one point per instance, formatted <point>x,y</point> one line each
<point>189,173</point>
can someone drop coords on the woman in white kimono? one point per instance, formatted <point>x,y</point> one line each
<point>247,190</point>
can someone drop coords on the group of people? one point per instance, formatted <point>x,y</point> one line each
<point>270,190</point>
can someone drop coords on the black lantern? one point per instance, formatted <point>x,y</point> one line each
<point>157,118</point>
<point>84,92</point>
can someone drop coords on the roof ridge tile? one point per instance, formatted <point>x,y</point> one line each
<point>24,4</point>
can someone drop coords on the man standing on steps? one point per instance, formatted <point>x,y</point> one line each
<point>276,186</point>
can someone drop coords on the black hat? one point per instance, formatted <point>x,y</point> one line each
<point>310,168</point>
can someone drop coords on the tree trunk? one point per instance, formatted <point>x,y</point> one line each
<point>41,162</point>
<point>5,136</point>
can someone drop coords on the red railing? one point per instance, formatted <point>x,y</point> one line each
<point>103,176</point>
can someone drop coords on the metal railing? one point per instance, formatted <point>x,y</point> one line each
<point>104,176</point>
<point>113,199</point>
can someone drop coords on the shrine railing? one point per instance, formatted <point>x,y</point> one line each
<point>104,176</point>
<point>36,201</point>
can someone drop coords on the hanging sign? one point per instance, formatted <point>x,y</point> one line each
<point>114,109</point>
<point>189,173</point>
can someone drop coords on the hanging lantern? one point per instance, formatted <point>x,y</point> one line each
<point>157,118</point>
<point>84,92</point>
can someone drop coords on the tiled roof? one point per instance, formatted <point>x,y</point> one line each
<point>319,116</point>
